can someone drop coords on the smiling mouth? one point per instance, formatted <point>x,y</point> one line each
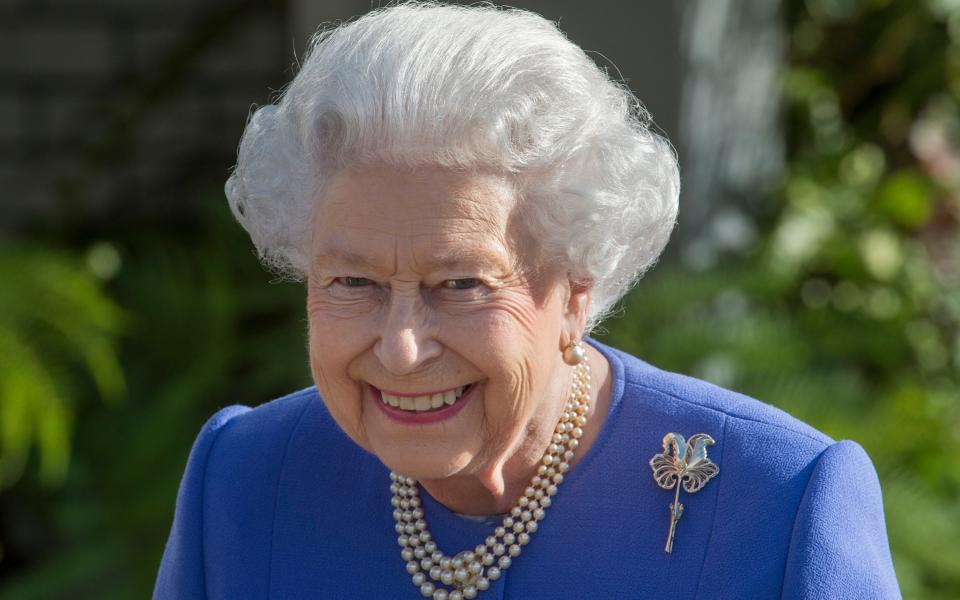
<point>425,403</point>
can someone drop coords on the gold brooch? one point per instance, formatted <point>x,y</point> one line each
<point>682,461</point>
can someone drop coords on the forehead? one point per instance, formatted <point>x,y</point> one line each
<point>444,216</point>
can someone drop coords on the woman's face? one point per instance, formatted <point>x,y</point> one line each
<point>431,345</point>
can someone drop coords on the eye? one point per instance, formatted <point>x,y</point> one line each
<point>354,281</point>
<point>461,284</point>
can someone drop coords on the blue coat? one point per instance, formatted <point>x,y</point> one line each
<point>276,502</point>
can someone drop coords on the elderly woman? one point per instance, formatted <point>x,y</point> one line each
<point>466,196</point>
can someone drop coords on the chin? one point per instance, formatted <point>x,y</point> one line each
<point>422,464</point>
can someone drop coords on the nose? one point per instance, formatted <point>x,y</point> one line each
<point>406,341</point>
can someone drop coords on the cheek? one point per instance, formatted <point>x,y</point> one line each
<point>515,340</point>
<point>334,344</point>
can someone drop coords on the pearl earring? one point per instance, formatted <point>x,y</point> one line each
<point>574,353</point>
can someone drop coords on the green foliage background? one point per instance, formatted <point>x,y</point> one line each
<point>845,312</point>
<point>116,347</point>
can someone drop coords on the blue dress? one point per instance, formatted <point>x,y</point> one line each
<point>276,502</point>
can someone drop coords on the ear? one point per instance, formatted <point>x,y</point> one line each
<point>575,312</point>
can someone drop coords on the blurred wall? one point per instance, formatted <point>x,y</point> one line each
<point>111,109</point>
<point>641,39</point>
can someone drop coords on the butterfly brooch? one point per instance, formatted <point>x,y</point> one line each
<point>682,463</point>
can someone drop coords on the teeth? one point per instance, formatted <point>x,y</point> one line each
<point>423,403</point>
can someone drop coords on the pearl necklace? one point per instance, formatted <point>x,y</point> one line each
<point>471,571</point>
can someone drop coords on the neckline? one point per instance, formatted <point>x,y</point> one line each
<point>487,520</point>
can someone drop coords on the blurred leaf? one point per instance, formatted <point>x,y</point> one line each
<point>906,198</point>
<point>54,321</point>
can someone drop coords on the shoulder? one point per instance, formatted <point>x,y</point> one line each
<point>762,453</point>
<point>760,450</point>
<point>240,425</point>
<point>758,447</point>
<point>240,488</point>
<point>252,443</point>
<point>804,484</point>
<point>698,395</point>
<point>691,405</point>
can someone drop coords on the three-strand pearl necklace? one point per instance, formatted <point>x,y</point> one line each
<point>471,571</point>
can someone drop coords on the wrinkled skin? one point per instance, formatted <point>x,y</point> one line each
<point>414,287</point>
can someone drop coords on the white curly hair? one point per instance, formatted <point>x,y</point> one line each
<point>466,87</point>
